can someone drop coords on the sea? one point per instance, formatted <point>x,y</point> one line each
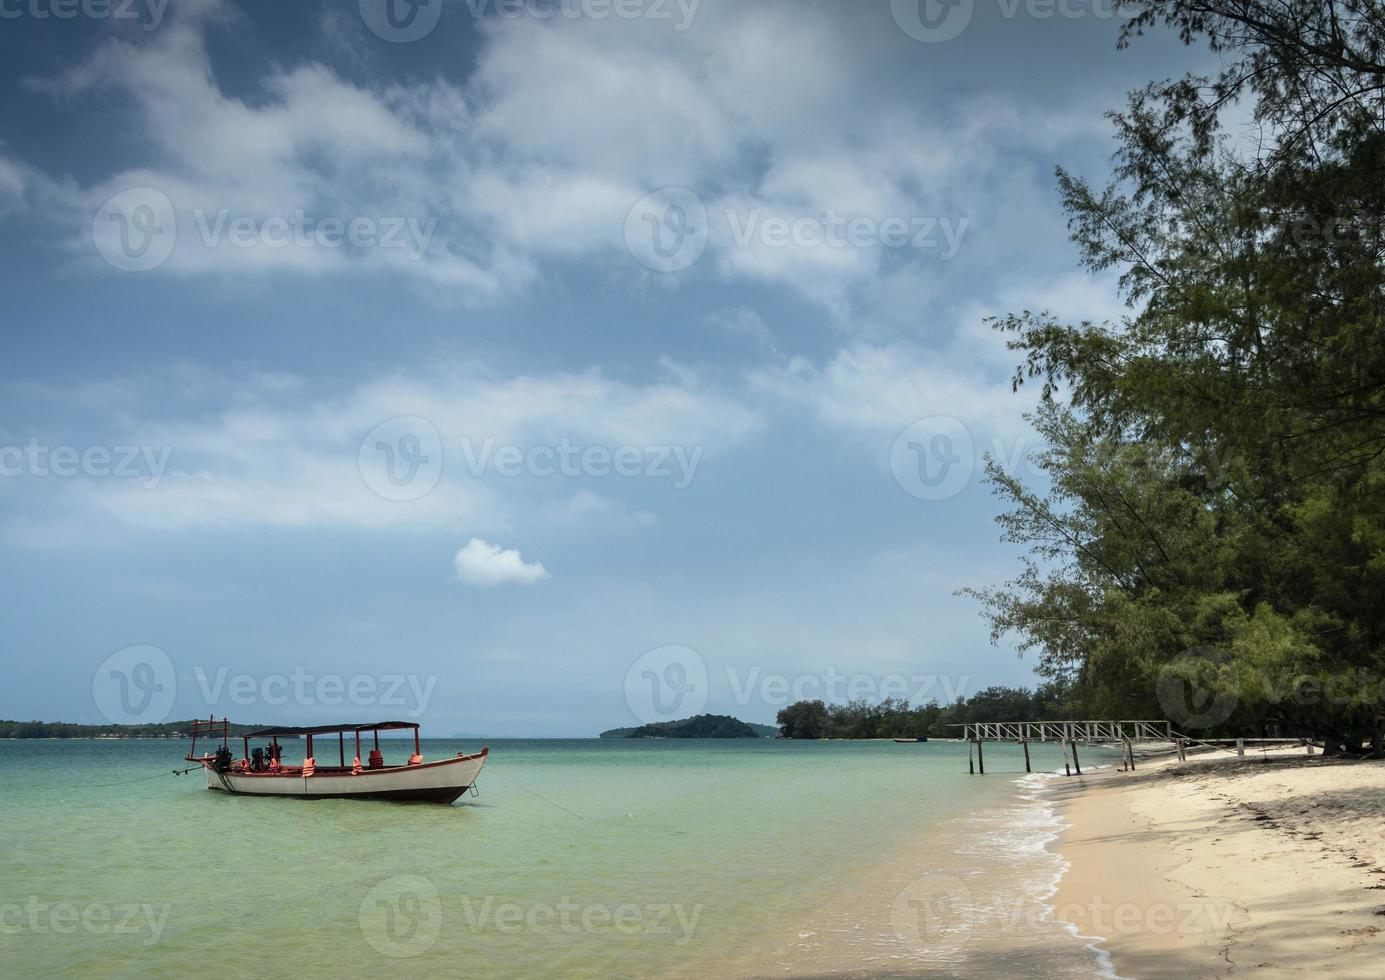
<point>575,858</point>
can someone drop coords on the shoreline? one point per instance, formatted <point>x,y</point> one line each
<point>1272,863</point>
<point>969,897</point>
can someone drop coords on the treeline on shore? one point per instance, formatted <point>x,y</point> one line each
<point>896,718</point>
<point>65,729</point>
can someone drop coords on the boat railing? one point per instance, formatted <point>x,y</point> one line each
<point>211,728</point>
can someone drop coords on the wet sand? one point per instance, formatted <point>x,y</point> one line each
<point>1273,867</point>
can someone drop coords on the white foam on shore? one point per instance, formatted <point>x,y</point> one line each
<point>1007,865</point>
<point>1032,787</point>
<point>971,898</point>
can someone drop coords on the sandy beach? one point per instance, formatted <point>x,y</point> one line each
<point>1272,866</point>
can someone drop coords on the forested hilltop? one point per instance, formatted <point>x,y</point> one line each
<point>698,726</point>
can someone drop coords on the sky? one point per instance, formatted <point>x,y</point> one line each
<point>524,368</point>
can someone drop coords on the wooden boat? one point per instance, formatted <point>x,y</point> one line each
<point>920,738</point>
<point>261,772</point>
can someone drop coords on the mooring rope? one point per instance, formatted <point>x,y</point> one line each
<point>526,789</point>
<point>644,824</point>
<point>141,779</point>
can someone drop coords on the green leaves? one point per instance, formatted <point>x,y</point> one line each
<point>1216,461</point>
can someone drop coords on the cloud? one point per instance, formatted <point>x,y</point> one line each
<point>884,388</point>
<point>559,129</point>
<point>744,323</point>
<point>264,449</point>
<point>11,179</point>
<point>965,374</point>
<point>309,148</point>
<point>483,563</point>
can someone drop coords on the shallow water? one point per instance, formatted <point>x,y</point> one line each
<point>579,858</point>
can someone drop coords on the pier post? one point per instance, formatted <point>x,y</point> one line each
<point>1025,743</point>
<point>1182,754</point>
<point>1075,763</point>
<point>971,762</point>
<point>980,758</point>
<point>1240,747</point>
<point>1067,768</point>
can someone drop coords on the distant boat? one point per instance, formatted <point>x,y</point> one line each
<point>920,738</point>
<point>261,773</point>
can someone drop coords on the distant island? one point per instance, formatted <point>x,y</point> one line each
<point>698,726</point>
<point>64,729</point>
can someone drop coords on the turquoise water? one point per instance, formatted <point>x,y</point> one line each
<point>579,858</point>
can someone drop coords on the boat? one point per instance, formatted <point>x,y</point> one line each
<point>261,771</point>
<point>920,738</point>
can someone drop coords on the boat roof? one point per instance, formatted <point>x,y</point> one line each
<point>374,726</point>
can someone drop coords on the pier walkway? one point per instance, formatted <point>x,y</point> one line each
<point>1124,735</point>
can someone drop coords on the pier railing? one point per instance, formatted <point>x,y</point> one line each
<point>1067,734</point>
<point>1124,735</point>
<point>1069,731</point>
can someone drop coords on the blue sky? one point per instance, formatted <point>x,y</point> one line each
<point>337,357</point>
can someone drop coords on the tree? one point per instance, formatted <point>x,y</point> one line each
<point>803,719</point>
<point>1216,515</point>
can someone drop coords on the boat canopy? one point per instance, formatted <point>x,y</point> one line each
<point>376,726</point>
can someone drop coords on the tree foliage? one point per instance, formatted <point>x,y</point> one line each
<point>896,718</point>
<point>1215,510</point>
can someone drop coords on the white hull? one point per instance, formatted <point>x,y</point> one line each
<point>439,782</point>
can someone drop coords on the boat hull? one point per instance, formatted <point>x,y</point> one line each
<point>443,781</point>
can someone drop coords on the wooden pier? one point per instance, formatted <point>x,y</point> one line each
<point>1124,735</point>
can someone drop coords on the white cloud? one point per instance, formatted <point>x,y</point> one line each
<point>271,453</point>
<point>561,127</point>
<point>966,375</point>
<point>309,144</point>
<point>11,179</point>
<point>745,323</point>
<point>877,388</point>
<point>483,563</point>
